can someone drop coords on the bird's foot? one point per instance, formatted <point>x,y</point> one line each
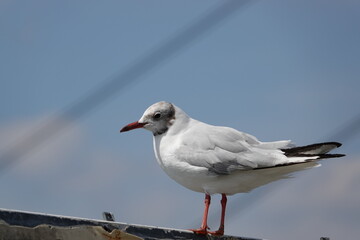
<point>201,231</point>
<point>219,232</point>
<point>204,231</point>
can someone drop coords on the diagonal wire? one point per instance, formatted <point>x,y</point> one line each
<point>347,131</point>
<point>112,86</point>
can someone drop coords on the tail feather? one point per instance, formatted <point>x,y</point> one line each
<point>320,156</point>
<point>317,149</point>
<point>309,153</point>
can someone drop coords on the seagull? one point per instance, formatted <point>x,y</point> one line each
<point>221,160</point>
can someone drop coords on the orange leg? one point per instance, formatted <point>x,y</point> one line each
<point>204,227</point>
<point>220,231</point>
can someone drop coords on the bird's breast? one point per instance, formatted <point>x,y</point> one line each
<point>178,169</point>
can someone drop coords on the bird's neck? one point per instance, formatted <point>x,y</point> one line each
<point>179,123</point>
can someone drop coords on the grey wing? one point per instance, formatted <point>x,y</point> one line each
<point>227,162</point>
<point>221,150</point>
<point>216,161</point>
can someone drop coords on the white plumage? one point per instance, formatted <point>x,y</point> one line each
<point>213,159</point>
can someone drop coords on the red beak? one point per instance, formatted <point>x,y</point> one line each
<point>132,126</point>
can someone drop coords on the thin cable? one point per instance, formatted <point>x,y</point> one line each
<point>347,131</point>
<point>119,82</point>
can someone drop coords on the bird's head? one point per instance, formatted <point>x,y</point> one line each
<point>157,119</point>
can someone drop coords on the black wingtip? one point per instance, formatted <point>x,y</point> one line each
<point>313,149</point>
<point>321,156</point>
<point>337,144</point>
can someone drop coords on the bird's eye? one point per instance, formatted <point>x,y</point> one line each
<point>157,116</point>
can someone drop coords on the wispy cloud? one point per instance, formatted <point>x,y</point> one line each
<point>48,155</point>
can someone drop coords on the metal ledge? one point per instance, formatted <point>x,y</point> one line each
<point>33,226</point>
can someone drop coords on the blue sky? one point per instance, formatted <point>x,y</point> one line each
<point>275,69</point>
